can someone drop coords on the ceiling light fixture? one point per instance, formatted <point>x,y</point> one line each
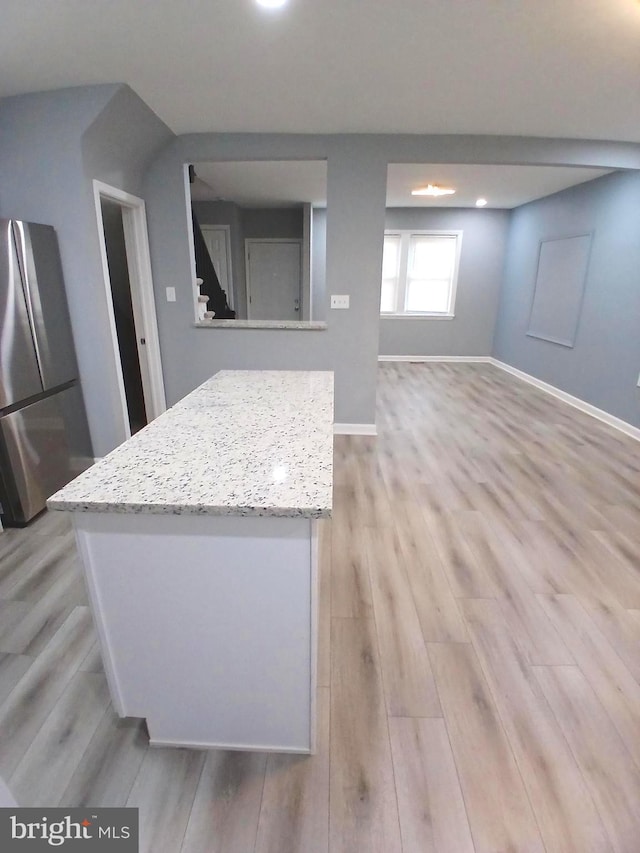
<point>481,202</point>
<point>433,190</point>
<point>271,4</point>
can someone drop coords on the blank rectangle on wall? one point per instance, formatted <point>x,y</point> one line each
<point>559,290</point>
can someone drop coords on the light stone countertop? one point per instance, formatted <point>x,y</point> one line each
<point>246,442</point>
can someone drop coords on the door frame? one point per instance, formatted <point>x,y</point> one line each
<point>227,240</point>
<point>247,249</point>
<point>134,220</point>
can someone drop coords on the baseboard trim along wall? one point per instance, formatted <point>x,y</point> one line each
<point>426,358</point>
<point>576,402</point>
<point>355,429</point>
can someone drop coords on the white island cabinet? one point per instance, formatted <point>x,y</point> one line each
<point>198,538</point>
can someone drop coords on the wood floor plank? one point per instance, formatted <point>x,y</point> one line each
<point>47,766</point>
<point>50,524</point>
<point>164,793</point>
<point>625,549</point>
<point>224,817</point>
<point>437,609</point>
<point>363,808</point>
<point>574,576</point>
<point>498,808</point>
<point>36,627</point>
<point>109,765</point>
<point>410,689</point>
<point>433,818</point>
<point>609,771</point>
<point>615,562</point>
<point>350,584</point>
<point>93,660</point>
<point>515,548</point>
<point>28,705</point>
<point>529,624</point>
<point>12,668</point>
<point>560,799</point>
<point>19,553</point>
<point>294,814</point>
<point>619,627</point>
<point>467,578</point>
<point>603,668</point>
<point>624,519</point>
<point>12,614</point>
<point>345,510</point>
<point>374,507</point>
<point>58,558</point>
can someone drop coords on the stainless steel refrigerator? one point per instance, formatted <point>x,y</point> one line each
<point>44,438</point>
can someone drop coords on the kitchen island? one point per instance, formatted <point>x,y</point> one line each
<point>198,538</point>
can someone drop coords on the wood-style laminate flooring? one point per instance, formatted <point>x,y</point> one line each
<point>479,661</point>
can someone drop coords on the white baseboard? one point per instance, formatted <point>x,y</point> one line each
<point>355,429</point>
<point>576,402</point>
<point>427,358</point>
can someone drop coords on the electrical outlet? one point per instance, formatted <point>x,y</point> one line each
<point>171,294</point>
<point>339,302</point>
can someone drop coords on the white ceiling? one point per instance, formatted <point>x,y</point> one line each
<point>568,68</point>
<point>256,184</point>
<point>502,186</point>
<point>277,183</point>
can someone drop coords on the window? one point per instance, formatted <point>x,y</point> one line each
<point>419,273</point>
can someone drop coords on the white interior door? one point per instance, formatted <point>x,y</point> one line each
<point>217,240</point>
<point>273,279</point>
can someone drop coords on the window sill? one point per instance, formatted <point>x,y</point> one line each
<point>386,316</point>
<point>299,325</point>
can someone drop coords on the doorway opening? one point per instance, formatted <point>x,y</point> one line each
<point>123,312</point>
<point>126,265</point>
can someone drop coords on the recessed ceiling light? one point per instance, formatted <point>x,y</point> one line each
<point>433,190</point>
<point>481,202</point>
<point>271,4</point>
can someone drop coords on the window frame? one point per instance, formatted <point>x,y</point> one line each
<point>405,235</point>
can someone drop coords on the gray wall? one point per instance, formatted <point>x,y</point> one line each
<point>602,368</point>
<point>356,182</point>
<point>52,145</point>
<point>274,223</point>
<point>354,258</point>
<point>470,332</point>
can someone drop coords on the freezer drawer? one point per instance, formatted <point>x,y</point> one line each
<point>35,456</point>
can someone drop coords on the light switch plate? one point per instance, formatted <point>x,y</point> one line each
<point>171,294</point>
<point>339,301</point>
